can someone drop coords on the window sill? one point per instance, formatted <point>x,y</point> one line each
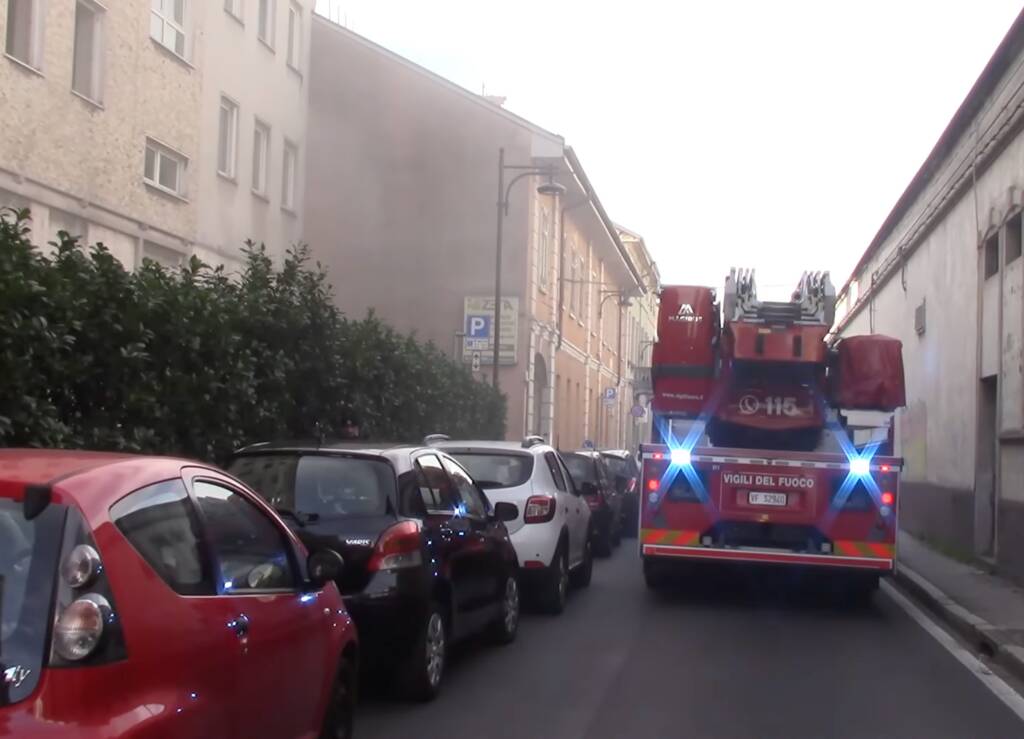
<point>267,45</point>
<point>240,21</point>
<point>161,190</point>
<point>227,177</point>
<point>94,103</point>
<point>543,288</point>
<point>260,195</point>
<point>169,52</point>
<point>295,70</point>
<point>25,65</point>
<point>290,211</point>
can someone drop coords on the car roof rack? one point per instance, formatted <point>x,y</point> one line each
<point>532,441</point>
<point>431,439</point>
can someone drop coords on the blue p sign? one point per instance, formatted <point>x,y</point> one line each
<point>478,327</point>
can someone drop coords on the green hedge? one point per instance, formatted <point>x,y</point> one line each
<point>198,362</point>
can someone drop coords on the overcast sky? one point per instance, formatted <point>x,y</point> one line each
<point>774,135</point>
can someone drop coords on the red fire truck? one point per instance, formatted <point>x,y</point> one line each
<point>775,445</point>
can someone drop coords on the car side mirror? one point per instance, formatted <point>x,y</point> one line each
<point>506,512</point>
<point>324,566</point>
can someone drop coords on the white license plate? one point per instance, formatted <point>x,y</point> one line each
<point>776,499</point>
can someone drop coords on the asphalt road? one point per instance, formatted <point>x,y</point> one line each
<point>741,657</point>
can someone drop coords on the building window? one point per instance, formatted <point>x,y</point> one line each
<point>234,8</point>
<point>294,36</point>
<point>87,72</point>
<point>165,168</point>
<point>265,26</point>
<point>991,255</point>
<point>167,24</point>
<point>544,255</point>
<point>1013,238</point>
<point>162,255</point>
<point>227,141</point>
<point>24,21</point>
<point>260,157</point>
<point>289,176</point>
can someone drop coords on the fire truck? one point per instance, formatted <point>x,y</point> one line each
<point>774,439</point>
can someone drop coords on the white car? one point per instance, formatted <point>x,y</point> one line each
<point>552,534</point>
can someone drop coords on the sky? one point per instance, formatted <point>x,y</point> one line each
<point>771,135</point>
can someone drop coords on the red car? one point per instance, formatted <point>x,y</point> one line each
<point>155,597</point>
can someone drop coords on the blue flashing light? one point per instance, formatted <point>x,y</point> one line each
<point>681,457</point>
<point>860,466</point>
<point>228,584</point>
<point>307,597</point>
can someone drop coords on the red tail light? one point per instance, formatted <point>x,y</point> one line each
<point>540,509</point>
<point>652,485</point>
<point>594,501</point>
<point>397,548</point>
<point>888,498</point>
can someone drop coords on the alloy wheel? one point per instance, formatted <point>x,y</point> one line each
<point>435,649</point>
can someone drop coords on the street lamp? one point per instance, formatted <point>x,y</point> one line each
<point>551,188</point>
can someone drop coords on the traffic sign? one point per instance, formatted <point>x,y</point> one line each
<point>476,362</point>
<point>638,411</point>
<point>478,326</point>
<point>610,394</point>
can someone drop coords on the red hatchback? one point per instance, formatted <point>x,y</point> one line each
<point>155,597</point>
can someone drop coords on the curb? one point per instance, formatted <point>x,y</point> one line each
<point>985,637</point>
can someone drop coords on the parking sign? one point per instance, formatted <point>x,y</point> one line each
<point>478,326</point>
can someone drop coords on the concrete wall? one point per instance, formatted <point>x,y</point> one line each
<point>964,463</point>
<point>237,64</point>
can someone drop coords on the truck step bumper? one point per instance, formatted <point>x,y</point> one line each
<point>740,555</point>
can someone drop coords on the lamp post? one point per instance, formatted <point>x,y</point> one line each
<point>552,188</point>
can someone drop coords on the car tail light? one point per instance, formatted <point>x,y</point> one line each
<point>632,485</point>
<point>86,628</point>
<point>652,484</point>
<point>594,501</point>
<point>888,498</point>
<point>79,627</point>
<point>397,548</point>
<point>540,509</point>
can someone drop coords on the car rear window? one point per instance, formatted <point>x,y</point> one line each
<point>495,470</point>
<point>325,486</point>
<point>618,466</point>
<point>581,467</point>
<point>28,566</point>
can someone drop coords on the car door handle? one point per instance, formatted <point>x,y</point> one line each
<point>240,625</point>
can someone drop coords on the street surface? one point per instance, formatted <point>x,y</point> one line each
<point>753,658</point>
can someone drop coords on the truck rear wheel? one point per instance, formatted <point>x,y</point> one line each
<point>656,574</point>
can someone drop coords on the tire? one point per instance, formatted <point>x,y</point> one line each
<point>603,541</point>
<point>554,586</point>
<point>338,719</point>
<point>861,590</point>
<point>422,673</point>
<point>581,576</point>
<point>655,575</point>
<point>506,626</point>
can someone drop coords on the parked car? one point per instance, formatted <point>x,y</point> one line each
<point>625,473</point>
<point>589,471</point>
<point>428,561</point>
<point>551,530</point>
<point>157,597</point>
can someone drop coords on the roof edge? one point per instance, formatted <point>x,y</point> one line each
<point>1008,49</point>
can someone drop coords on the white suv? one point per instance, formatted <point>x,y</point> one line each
<point>552,532</point>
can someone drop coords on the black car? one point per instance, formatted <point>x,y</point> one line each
<point>626,475</point>
<point>589,470</point>
<point>427,559</point>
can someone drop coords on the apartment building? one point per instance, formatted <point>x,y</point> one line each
<point>410,232</point>
<point>163,129</point>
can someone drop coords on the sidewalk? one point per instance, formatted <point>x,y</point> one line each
<point>983,608</point>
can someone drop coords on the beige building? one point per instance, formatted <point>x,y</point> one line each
<point>116,127</point>
<point>401,208</point>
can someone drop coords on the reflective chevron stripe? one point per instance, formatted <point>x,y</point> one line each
<point>669,537</point>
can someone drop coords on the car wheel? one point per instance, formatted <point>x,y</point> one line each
<point>422,674</point>
<point>338,720</point>
<point>603,541</point>
<point>505,628</point>
<point>554,588</point>
<point>582,574</point>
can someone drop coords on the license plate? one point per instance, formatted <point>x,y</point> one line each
<point>775,499</point>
